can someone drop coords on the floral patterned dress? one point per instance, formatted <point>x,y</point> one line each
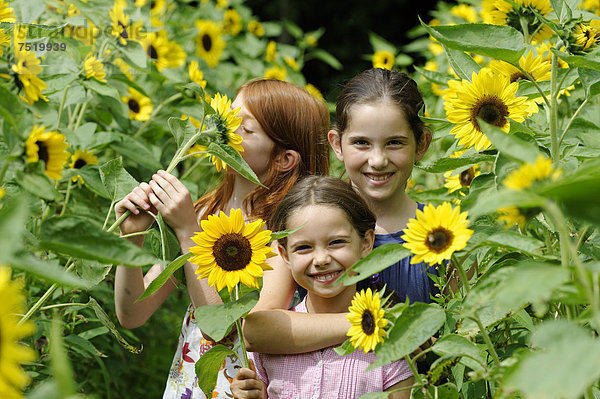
<point>182,382</point>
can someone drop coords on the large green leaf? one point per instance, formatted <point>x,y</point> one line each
<point>232,158</point>
<point>182,130</point>
<point>216,321</point>
<point>208,366</point>
<point>91,179</point>
<point>83,238</point>
<point>38,184</point>
<point>462,63</point>
<point>457,345</point>
<point>495,41</point>
<point>117,181</point>
<point>105,320</point>
<point>509,289</point>
<point>13,218</point>
<point>49,270</point>
<point>11,108</point>
<point>509,144</point>
<point>504,198</point>
<point>590,80</point>
<point>445,164</point>
<point>566,363</point>
<point>564,8</point>
<point>135,150</point>
<point>162,278</point>
<point>380,258</point>
<point>591,61</point>
<point>416,325</point>
<point>513,242</point>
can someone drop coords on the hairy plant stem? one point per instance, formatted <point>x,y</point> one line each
<point>62,104</point>
<point>525,27</point>
<point>568,250</point>
<point>63,305</point>
<point>73,115</point>
<point>553,114</point>
<point>583,104</point>
<point>155,112</point>
<point>461,272</point>
<point>238,325</point>
<point>419,380</point>
<point>68,267</point>
<point>81,113</point>
<point>67,197</point>
<point>486,338</point>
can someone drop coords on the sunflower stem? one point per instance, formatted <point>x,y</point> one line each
<point>537,86</point>
<point>81,113</point>
<point>62,105</point>
<point>583,104</point>
<point>73,115</point>
<point>155,112</point>
<point>486,338</point>
<point>110,208</point>
<point>190,169</point>
<point>553,112</point>
<point>525,28</point>
<point>463,275</point>
<point>67,197</point>
<point>68,267</point>
<point>238,325</point>
<point>413,368</point>
<point>62,305</point>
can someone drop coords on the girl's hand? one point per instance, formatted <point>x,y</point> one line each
<point>137,202</point>
<point>174,202</point>
<point>247,385</point>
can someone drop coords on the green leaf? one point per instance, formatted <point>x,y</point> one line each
<point>135,52</point>
<point>13,219</point>
<point>162,278</point>
<point>327,58</point>
<point>233,159</point>
<point>590,61</point>
<point>276,235</point>
<point>38,184</point>
<point>380,44</point>
<point>511,288</point>
<point>505,198</point>
<point>182,130</point>
<point>345,348</point>
<point>216,320</point>
<point>92,272</point>
<point>117,181</point>
<point>564,8</point>
<point>377,260</point>
<point>49,270</point>
<point>509,144</point>
<point>565,365</point>
<point>60,365</point>
<point>82,238</point>
<point>11,107</point>
<point>91,179</point>
<point>208,366</point>
<point>495,41</point>
<point>436,77</point>
<point>590,80</point>
<point>514,242</point>
<point>457,345</point>
<point>416,325</point>
<point>105,320</point>
<point>135,150</point>
<point>101,88</point>
<point>445,164</point>
<point>462,63</point>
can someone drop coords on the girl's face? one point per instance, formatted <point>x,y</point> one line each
<point>378,149</point>
<point>257,145</point>
<point>323,248</point>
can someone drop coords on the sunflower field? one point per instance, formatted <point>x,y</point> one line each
<point>96,95</point>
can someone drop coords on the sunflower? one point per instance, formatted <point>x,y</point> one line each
<point>209,43</point>
<point>292,63</point>
<point>527,174</point>
<point>140,106</point>
<point>584,38</point>
<point>316,93</point>
<point>367,320</point>
<point>271,51</point>
<point>456,181</point>
<point>2,192</point>
<point>162,51</point>
<point>49,147</point>
<point>229,252</point>
<point>490,97</point>
<point>25,69</point>
<point>4,41</point>
<point>501,12</point>
<point>7,14</point>
<point>466,12</point>
<point>256,28</point>
<point>12,378</point>
<point>232,22</point>
<point>537,66</point>
<point>93,68</point>
<point>123,67</point>
<point>85,34</point>
<point>511,216</point>
<point>276,72</point>
<point>436,233</point>
<point>227,123</point>
<point>80,159</point>
<point>196,75</point>
<point>591,5</point>
<point>383,59</point>
<point>121,28</point>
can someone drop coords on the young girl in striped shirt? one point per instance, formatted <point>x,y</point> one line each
<point>336,231</point>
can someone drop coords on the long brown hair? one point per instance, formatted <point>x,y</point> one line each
<point>294,120</point>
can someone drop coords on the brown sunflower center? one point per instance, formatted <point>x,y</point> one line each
<point>124,34</point>
<point>385,60</point>
<point>466,177</point>
<point>232,252</point>
<point>42,151</point>
<point>206,43</point>
<point>151,51</point>
<point>80,163</point>
<point>491,109</point>
<point>518,76</point>
<point>439,239</point>
<point>368,322</point>
<point>134,106</point>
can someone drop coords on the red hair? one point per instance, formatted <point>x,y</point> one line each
<point>294,120</point>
